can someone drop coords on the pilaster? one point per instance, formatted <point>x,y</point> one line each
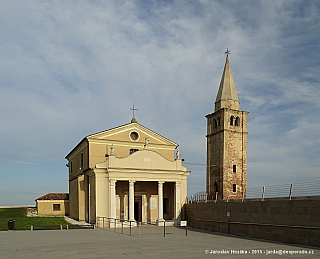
<point>177,202</point>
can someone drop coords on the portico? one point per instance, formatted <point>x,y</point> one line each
<point>148,193</point>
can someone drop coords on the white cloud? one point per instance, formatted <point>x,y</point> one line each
<point>73,68</point>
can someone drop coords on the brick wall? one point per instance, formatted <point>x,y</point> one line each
<point>295,221</point>
<point>226,148</point>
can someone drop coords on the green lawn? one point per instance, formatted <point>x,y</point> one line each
<point>22,222</point>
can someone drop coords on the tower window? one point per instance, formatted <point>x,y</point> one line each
<point>215,187</point>
<point>215,123</point>
<point>231,120</point>
<point>234,187</point>
<point>237,121</point>
<point>234,168</point>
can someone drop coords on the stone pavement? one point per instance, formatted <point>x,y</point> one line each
<point>99,243</point>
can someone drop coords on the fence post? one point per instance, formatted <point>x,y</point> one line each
<point>290,195</point>
<point>187,229</point>
<point>122,227</point>
<point>31,228</point>
<point>228,227</point>
<point>263,191</point>
<point>139,229</point>
<point>191,198</point>
<point>216,197</point>
<point>206,197</point>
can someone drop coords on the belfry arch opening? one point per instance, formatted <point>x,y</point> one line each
<point>237,122</point>
<point>231,121</point>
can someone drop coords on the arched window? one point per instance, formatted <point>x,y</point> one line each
<point>215,123</point>
<point>218,121</point>
<point>237,122</point>
<point>231,120</point>
<point>234,187</point>
<point>234,168</point>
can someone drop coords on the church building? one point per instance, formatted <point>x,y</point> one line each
<point>227,143</point>
<point>129,173</point>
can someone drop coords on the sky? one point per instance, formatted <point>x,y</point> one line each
<point>72,68</point>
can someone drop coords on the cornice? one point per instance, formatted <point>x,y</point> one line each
<point>234,131</point>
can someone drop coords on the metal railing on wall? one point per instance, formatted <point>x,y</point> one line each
<point>133,228</point>
<point>274,191</point>
<point>285,190</point>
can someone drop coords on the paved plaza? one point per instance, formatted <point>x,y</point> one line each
<point>99,243</point>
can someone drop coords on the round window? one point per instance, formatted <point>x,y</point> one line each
<point>134,135</point>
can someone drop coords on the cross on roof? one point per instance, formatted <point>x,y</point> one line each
<point>133,109</point>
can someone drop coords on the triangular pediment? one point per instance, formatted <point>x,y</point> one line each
<point>132,132</point>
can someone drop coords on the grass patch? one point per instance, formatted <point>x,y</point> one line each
<point>22,222</point>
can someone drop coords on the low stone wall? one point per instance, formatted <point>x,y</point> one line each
<point>295,221</point>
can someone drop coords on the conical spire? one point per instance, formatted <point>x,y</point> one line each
<point>227,94</point>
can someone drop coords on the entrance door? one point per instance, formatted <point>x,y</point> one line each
<point>138,208</point>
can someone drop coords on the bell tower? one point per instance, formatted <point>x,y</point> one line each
<point>227,142</point>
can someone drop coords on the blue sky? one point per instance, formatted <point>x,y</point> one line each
<point>73,68</point>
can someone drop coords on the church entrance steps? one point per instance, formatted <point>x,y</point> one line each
<point>75,222</point>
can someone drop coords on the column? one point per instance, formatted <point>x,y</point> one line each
<point>177,204</point>
<point>89,199</point>
<point>160,201</point>
<point>113,205</point>
<point>131,200</point>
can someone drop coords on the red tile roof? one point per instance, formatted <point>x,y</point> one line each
<point>54,196</point>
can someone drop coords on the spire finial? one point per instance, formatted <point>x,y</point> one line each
<point>227,53</point>
<point>133,118</point>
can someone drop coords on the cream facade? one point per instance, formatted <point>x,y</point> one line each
<point>128,172</point>
<point>227,143</point>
